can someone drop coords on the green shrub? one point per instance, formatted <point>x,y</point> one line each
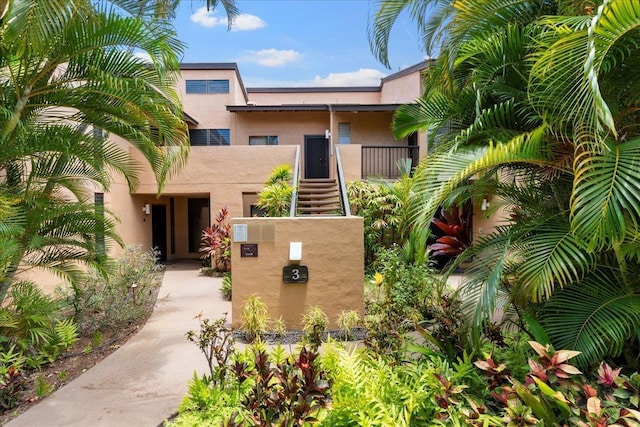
<point>226,286</point>
<point>11,379</point>
<point>215,341</point>
<point>275,197</point>
<point>120,297</point>
<point>348,320</point>
<point>35,324</point>
<point>255,316</point>
<point>314,325</point>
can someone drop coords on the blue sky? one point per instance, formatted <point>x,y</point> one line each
<point>295,42</point>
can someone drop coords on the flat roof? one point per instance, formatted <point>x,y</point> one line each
<point>313,89</point>
<point>312,107</point>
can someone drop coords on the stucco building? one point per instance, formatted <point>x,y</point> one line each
<point>238,135</point>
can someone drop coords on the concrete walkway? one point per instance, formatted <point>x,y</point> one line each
<point>143,382</point>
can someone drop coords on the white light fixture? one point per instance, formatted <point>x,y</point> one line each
<point>485,204</point>
<point>146,208</point>
<point>295,251</point>
<point>327,134</point>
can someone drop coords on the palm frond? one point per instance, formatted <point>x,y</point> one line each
<point>606,203</point>
<point>603,315</point>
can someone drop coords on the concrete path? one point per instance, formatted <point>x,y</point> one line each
<point>143,382</point>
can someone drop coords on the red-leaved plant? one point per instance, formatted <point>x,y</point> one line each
<point>454,225</point>
<point>216,242</point>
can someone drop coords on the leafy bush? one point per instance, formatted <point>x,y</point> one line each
<point>255,316</point>
<point>226,286</point>
<point>348,320</point>
<point>216,243</point>
<point>314,324</point>
<point>275,197</point>
<point>215,341</point>
<point>35,324</point>
<point>119,297</point>
<point>11,379</point>
<point>290,393</point>
<point>557,393</point>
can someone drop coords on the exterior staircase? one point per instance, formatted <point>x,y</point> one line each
<point>319,197</point>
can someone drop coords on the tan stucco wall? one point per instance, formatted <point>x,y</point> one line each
<point>351,156</point>
<point>332,249</point>
<point>307,97</point>
<point>402,90</point>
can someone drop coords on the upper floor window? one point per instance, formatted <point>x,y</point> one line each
<point>209,136</point>
<point>263,140</point>
<point>344,133</point>
<point>207,86</point>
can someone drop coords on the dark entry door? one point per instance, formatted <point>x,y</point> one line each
<point>159,230</point>
<point>316,157</point>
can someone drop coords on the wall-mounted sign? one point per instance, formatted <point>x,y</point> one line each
<point>249,250</point>
<point>295,274</point>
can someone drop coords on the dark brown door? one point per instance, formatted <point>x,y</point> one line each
<point>316,157</point>
<point>159,230</point>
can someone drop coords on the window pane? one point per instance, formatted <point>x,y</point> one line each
<point>344,133</point>
<point>196,86</point>
<point>219,136</point>
<point>263,140</point>
<point>98,199</point>
<point>198,136</point>
<point>218,86</point>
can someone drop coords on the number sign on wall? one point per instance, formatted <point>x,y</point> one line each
<point>295,274</point>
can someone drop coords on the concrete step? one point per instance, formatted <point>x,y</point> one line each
<point>319,210</point>
<point>318,196</point>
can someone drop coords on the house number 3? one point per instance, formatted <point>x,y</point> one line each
<point>295,274</point>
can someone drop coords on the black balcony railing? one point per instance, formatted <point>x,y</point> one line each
<point>381,161</point>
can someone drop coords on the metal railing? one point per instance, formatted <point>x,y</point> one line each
<point>296,177</point>
<point>380,161</point>
<point>344,200</point>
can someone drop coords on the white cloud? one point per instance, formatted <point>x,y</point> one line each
<point>144,56</point>
<point>242,22</point>
<point>362,77</point>
<point>207,19</point>
<point>272,57</point>
<point>246,22</point>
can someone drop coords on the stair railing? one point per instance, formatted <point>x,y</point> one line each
<point>296,178</point>
<point>344,200</point>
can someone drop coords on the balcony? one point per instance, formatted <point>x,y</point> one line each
<point>381,161</point>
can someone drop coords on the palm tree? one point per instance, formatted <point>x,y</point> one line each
<point>69,74</point>
<point>535,102</point>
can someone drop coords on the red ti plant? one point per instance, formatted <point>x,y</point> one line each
<point>454,226</point>
<point>216,242</point>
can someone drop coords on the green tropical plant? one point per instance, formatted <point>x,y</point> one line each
<point>215,341</point>
<point>314,325</point>
<point>254,318</point>
<point>383,208</point>
<point>216,242</point>
<point>348,320</point>
<point>275,197</point>
<point>535,102</point>
<point>226,287</point>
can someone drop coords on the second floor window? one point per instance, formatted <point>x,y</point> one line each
<point>207,86</point>
<point>263,140</point>
<point>344,133</point>
<point>209,137</point>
